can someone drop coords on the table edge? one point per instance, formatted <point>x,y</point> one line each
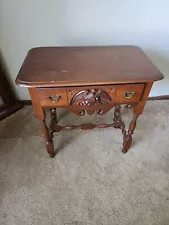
<point>83,83</point>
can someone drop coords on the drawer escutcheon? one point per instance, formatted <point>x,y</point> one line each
<point>54,98</point>
<point>129,94</point>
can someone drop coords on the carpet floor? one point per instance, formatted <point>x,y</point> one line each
<point>89,182</point>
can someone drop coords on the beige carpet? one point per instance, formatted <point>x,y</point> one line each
<point>89,182</point>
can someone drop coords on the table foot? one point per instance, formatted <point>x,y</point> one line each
<point>126,144</point>
<point>50,149</point>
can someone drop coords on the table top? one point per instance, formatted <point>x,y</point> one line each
<point>77,66</point>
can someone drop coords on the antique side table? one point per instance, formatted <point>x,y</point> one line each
<point>87,79</point>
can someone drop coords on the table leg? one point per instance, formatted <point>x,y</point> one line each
<point>40,114</point>
<point>117,116</point>
<point>118,122</point>
<point>49,139</point>
<point>127,139</point>
<point>137,110</point>
<point>53,115</point>
<point>127,136</point>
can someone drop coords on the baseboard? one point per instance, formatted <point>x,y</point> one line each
<point>163,97</point>
<point>25,102</point>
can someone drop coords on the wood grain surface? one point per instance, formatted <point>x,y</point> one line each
<point>75,66</point>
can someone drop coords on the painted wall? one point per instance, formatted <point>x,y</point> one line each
<point>28,23</point>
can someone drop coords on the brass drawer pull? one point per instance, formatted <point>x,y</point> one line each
<point>129,94</point>
<point>54,98</point>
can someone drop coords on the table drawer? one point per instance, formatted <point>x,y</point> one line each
<point>129,93</point>
<point>52,97</point>
<point>87,95</point>
<point>124,93</point>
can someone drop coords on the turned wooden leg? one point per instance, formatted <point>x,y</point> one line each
<point>117,116</point>
<point>53,120</point>
<point>53,115</point>
<point>127,138</point>
<point>49,139</point>
<point>117,113</point>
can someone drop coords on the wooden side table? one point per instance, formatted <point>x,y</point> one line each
<point>87,79</point>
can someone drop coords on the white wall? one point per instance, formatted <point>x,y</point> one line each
<point>28,23</point>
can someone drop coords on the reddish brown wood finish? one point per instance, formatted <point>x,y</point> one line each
<point>76,66</point>
<point>49,139</point>
<point>108,95</point>
<point>45,95</point>
<point>136,89</point>
<point>84,126</point>
<point>127,138</point>
<point>36,104</point>
<point>40,114</point>
<point>88,79</point>
<point>109,89</point>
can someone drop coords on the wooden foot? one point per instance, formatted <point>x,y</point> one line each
<point>50,149</point>
<point>126,144</point>
<point>127,138</point>
<point>49,139</point>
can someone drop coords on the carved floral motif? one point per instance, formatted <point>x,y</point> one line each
<point>91,97</point>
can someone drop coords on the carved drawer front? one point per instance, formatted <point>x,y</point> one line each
<point>129,93</point>
<point>52,97</point>
<point>91,96</point>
